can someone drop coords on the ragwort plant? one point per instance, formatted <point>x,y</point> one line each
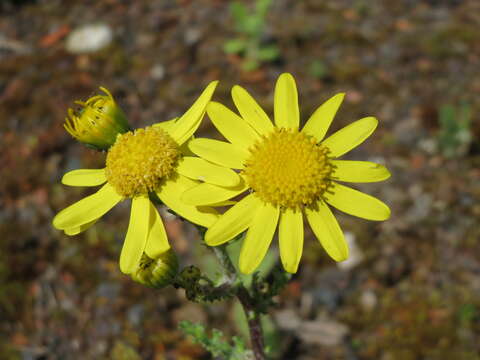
<point>271,174</point>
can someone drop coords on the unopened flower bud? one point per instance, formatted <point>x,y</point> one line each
<point>98,122</point>
<point>157,273</point>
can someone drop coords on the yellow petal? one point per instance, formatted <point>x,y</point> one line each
<point>258,239</point>
<point>290,235</point>
<point>328,232</point>
<point>223,203</point>
<point>359,171</point>
<point>157,241</point>
<point>233,222</point>
<point>199,169</point>
<point>232,126</point>
<point>356,203</point>
<point>79,229</point>
<point>170,193</point>
<point>219,152</point>
<point>166,125</point>
<point>84,177</point>
<point>286,102</point>
<point>318,124</point>
<point>207,194</point>
<point>251,112</point>
<point>137,234</point>
<point>88,209</point>
<point>190,121</point>
<point>350,136</point>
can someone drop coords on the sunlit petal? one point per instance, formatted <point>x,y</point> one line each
<point>208,194</point>
<point>350,136</point>
<point>357,203</point>
<point>84,177</point>
<point>77,230</point>
<point>235,220</point>
<point>199,169</point>
<point>157,241</point>
<point>359,171</point>
<point>290,235</point>
<point>219,152</point>
<point>286,102</point>
<point>251,112</point>
<point>189,122</point>
<point>258,239</point>
<point>137,234</point>
<point>88,209</point>
<point>317,125</point>
<point>328,232</point>
<point>170,193</point>
<point>233,127</point>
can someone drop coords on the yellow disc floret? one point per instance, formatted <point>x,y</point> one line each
<point>139,161</point>
<point>288,169</point>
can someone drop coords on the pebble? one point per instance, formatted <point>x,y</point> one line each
<point>89,38</point>
<point>368,300</point>
<point>355,253</point>
<point>322,332</point>
<point>157,72</point>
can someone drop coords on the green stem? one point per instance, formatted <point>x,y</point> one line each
<point>247,302</point>
<point>254,324</point>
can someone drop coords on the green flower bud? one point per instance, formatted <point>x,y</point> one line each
<point>191,274</point>
<point>157,273</point>
<point>98,122</point>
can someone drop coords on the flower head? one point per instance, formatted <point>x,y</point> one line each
<point>98,122</point>
<point>140,160</point>
<point>290,174</point>
<point>140,163</point>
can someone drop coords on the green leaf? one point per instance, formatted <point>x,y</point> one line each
<point>268,53</point>
<point>234,46</point>
<point>262,7</point>
<point>239,13</point>
<point>250,65</point>
<point>253,26</point>
<point>318,69</point>
<point>215,343</point>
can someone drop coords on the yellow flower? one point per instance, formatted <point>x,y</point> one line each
<point>289,174</point>
<point>98,122</point>
<point>150,160</point>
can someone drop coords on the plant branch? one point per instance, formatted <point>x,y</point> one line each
<point>247,302</point>
<point>254,324</point>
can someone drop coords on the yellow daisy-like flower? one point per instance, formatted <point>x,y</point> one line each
<point>289,174</point>
<point>139,163</point>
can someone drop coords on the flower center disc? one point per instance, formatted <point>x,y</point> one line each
<point>287,168</point>
<point>140,160</point>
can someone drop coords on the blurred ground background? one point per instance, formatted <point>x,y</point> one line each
<point>412,290</point>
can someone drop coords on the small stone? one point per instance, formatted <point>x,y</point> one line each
<point>287,319</point>
<point>157,72</point>
<point>356,255</point>
<point>89,38</point>
<point>192,36</point>
<point>368,300</point>
<point>322,332</point>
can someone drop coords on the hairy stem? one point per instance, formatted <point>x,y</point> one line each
<point>254,325</point>
<point>247,302</point>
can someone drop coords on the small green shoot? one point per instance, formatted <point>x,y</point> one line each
<point>455,133</point>
<point>318,69</point>
<point>250,28</point>
<point>215,344</point>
